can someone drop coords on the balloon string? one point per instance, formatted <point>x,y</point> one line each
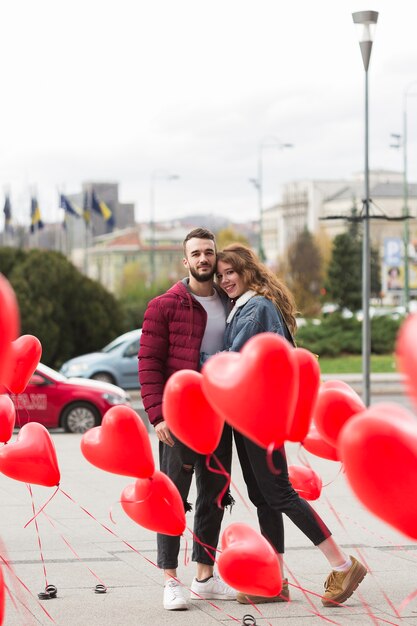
<point>269,460</point>
<point>222,472</point>
<point>304,460</point>
<point>109,530</point>
<point>20,407</point>
<point>397,547</point>
<point>41,509</point>
<point>362,557</point>
<point>72,549</point>
<point>27,589</point>
<point>38,534</point>
<point>129,545</point>
<point>232,484</point>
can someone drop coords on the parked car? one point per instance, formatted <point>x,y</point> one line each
<point>70,403</point>
<point>116,363</point>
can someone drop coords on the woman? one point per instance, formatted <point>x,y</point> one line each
<point>263,304</point>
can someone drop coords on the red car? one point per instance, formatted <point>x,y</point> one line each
<point>75,404</point>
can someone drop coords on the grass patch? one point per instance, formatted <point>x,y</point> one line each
<point>352,364</point>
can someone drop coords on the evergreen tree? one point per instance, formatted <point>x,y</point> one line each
<point>69,313</point>
<point>304,274</point>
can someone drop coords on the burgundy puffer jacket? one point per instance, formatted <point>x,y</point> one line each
<point>172,332</point>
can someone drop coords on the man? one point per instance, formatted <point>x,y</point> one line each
<point>181,329</point>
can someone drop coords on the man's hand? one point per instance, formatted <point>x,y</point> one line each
<point>163,434</point>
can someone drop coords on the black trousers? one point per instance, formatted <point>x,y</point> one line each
<point>273,494</point>
<point>180,463</point>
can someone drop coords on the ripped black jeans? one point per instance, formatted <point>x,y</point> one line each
<point>208,516</point>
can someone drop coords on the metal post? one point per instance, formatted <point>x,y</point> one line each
<point>261,251</point>
<point>366,265</point>
<point>406,232</point>
<point>152,231</point>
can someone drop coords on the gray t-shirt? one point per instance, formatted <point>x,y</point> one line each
<point>213,338</point>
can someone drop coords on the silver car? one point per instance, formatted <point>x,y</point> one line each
<point>116,363</point>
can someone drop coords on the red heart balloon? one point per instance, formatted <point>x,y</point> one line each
<point>155,503</point>
<point>248,562</point>
<point>32,457</point>
<point>308,387</point>
<point>405,351</point>
<point>379,452</point>
<point>9,326</point>
<point>315,444</point>
<point>255,390</point>
<point>334,407</point>
<point>120,445</point>
<point>188,414</point>
<point>25,355</point>
<point>306,482</point>
<point>7,418</point>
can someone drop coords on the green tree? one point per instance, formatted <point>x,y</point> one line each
<point>226,236</point>
<point>304,274</point>
<point>69,313</point>
<point>135,293</point>
<point>344,274</point>
<point>343,283</point>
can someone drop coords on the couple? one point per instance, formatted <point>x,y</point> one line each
<point>182,328</point>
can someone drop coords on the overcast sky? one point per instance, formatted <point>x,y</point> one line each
<point>120,89</point>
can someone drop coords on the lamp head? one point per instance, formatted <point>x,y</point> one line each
<point>365,22</point>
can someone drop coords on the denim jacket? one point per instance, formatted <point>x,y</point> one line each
<point>251,315</point>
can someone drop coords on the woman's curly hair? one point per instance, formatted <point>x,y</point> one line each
<point>261,279</point>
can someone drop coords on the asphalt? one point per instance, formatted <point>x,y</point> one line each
<point>86,539</point>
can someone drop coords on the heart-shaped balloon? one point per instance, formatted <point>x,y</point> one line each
<point>315,444</point>
<point>32,457</point>
<point>255,390</point>
<point>25,355</point>
<point>155,504</point>
<point>120,445</point>
<point>7,418</point>
<point>189,415</point>
<point>308,387</point>
<point>248,562</point>
<point>379,452</point>
<point>9,327</point>
<point>334,407</point>
<point>306,482</point>
<point>406,357</point>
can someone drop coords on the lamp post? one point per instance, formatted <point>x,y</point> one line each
<point>267,142</point>
<point>155,176</point>
<point>366,21</point>
<point>406,231</point>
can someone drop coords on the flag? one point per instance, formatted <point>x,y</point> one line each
<point>69,207</point>
<point>86,209</point>
<point>7,215</point>
<point>35,215</point>
<point>102,209</point>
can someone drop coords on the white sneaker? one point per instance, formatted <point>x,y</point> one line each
<point>213,589</point>
<point>174,599</point>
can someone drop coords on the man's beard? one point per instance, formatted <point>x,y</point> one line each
<point>202,278</point>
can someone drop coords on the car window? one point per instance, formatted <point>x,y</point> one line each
<point>113,345</point>
<point>132,349</point>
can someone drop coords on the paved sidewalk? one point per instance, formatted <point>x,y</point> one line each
<point>124,561</point>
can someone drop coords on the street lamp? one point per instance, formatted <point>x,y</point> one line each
<point>366,21</point>
<point>267,142</point>
<point>155,176</point>
<point>406,232</point>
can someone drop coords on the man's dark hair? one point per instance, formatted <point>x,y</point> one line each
<point>199,233</point>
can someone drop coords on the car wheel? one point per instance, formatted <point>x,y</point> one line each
<point>79,417</point>
<point>104,377</point>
